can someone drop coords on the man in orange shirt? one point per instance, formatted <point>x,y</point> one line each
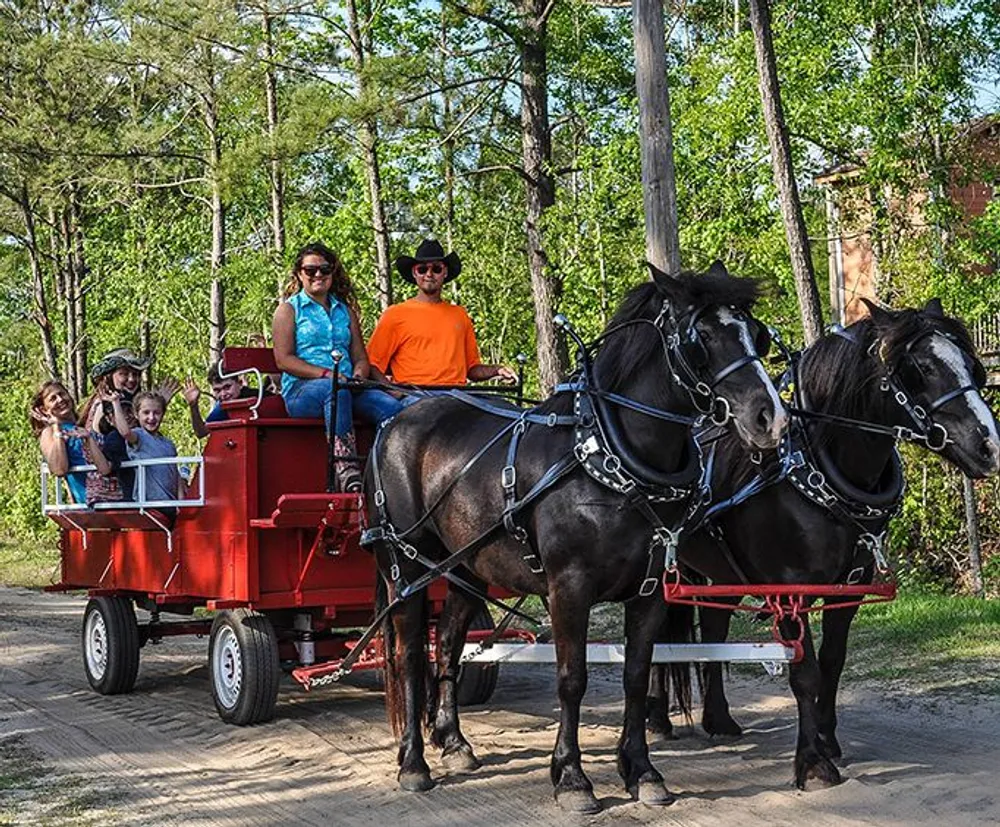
<point>427,340</point>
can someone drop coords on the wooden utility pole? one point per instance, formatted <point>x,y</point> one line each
<point>656,137</point>
<point>784,174</point>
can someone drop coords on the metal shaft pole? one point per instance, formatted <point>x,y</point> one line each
<point>331,429</point>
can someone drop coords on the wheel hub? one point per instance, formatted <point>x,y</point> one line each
<point>228,668</point>
<point>96,640</point>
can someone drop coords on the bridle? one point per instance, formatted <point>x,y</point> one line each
<point>932,434</point>
<point>686,356</point>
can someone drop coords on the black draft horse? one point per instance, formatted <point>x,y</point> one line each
<point>438,476</point>
<point>874,372</point>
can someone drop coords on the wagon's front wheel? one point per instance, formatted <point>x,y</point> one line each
<point>243,666</point>
<point>110,645</point>
<point>477,681</point>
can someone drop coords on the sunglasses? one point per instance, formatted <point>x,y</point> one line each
<point>312,270</point>
<point>435,267</point>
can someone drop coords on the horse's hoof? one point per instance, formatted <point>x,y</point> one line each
<point>583,802</point>
<point>415,782</point>
<point>830,747</point>
<point>459,760</point>
<point>661,726</point>
<point>654,794</point>
<point>817,775</point>
<point>724,727</point>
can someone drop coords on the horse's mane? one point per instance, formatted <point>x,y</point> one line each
<point>837,374</point>
<point>634,344</point>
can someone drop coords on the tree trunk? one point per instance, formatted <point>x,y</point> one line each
<point>145,351</point>
<point>536,147</point>
<point>784,175</point>
<point>217,310</point>
<point>80,295</point>
<point>217,321</point>
<point>448,153</point>
<point>69,301</point>
<point>41,313</point>
<point>656,138</point>
<point>277,180</point>
<point>972,527</point>
<point>368,135</point>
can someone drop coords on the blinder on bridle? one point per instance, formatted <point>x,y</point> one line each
<point>915,382</point>
<point>690,358</point>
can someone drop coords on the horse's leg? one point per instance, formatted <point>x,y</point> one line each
<point>410,624</point>
<point>832,654</point>
<point>459,609</point>
<point>643,620</point>
<point>805,680</point>
<point>658,701</point>
<point>715,717</point>
<point>570,616</point>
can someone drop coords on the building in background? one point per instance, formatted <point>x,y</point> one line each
<point>854,258</point>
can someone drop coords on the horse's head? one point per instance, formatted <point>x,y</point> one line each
<point>929,358</point>
<point>714,350</point>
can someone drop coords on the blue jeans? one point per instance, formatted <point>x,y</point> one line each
<point>312,398</point>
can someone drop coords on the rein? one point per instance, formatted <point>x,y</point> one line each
<point>591,440</point>
<point>789,603</point>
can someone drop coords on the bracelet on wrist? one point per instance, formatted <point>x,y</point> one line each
<point>327,373</point>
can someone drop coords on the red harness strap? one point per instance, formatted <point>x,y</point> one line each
<point>781,601</point>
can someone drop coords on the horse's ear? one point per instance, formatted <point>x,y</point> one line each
<point>879,315</point>
<point>666,285</point>
<point>717,268</point>
<point>934,309</point>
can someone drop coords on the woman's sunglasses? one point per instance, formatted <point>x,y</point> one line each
<point>435,267</point>
<point>312,270</point>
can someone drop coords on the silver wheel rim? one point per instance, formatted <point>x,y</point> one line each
<point>227,671</point>
<point>95,639</point>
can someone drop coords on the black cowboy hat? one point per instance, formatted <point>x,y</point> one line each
<point>121,358</point>
<point>429,250</point>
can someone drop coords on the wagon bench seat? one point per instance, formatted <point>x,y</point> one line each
<point>119,519</point>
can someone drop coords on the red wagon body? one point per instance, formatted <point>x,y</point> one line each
<point>257,539</point>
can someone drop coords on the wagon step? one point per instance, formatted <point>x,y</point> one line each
<point>307,510</point>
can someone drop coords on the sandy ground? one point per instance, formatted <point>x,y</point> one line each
<point>162,756</point>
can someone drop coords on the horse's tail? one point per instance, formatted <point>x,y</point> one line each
<point>395,709</point>
<point>392,675</point>
<point>679,627</point>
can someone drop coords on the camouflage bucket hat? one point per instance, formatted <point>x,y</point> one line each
<point>121,358</point>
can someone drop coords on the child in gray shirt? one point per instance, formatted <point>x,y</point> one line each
<point>146,442</point>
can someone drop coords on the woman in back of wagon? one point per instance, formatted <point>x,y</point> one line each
<point>63,443</point>
<point>319,316</point>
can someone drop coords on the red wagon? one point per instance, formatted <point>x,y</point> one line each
<point>257,540</point>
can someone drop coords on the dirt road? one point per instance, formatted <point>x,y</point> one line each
<point>162,756</point>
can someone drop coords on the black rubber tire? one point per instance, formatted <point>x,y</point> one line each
<point>477,681</point>
<point>244,672</point>
<point>110,645</point>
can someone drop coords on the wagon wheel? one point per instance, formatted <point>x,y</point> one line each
<point>110,642</point>
<point>243,666</point>
<point>477,681</point>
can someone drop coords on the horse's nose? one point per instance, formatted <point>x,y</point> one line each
<point>990,451</point>
<point>772,421</point>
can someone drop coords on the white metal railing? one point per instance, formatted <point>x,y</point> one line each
<point>53,501</point>
<point>986,334</point>
<point>247,371</point>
